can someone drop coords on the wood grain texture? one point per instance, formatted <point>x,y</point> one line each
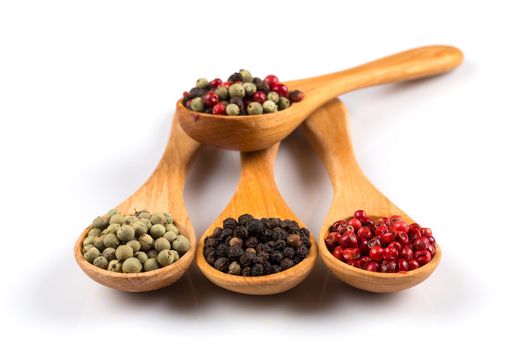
<point>257,194</point>
<point>250,133</point>
<point>327,131</point>
<point>161,192</point>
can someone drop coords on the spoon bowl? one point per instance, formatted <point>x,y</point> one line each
<point>257,194</point>
<point>327,131</point>
<point>161,192</point>
<point>256,132</point>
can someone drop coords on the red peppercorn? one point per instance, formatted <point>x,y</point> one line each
<point>185,94</point>
<point>431,239</point>
<point>396,245</point>
<point>215,83</point>
<point>376,241</point>
<point>351,254</point>
<point>337,225</point>
<point>356,224</point>
<point>399,226</point>
<point>348,240</point>
<point>363,245</point>
<point>365,260</point>
<point>296,96</point>
<point>426,232</point>
<point>412,265</point>
<point>281,89</point>
<point>376,253</point>
<point>406,253</point>
<point>354,263</point>
<point>394,218</point>
<point>367,222</point>
<point>421,243</point>
<point>432,249</point>
<point>380,230</point>
<point>383,267</point>
<point>387,238</point>
<point>390,253</point>
<point>391,266</point>
<point>219,109</point>
<point>360,214</point>
<point>402,238</point>
<point>210,99</point>
<point>271,80</point>
<point>372,266</point>
<point>227,84</point>
<point>332,240</point>
<point>259,96</point>
<point>338,252</point>
<point>422,257</point>
<point>365,232</point>
<point>402,265</point>
<point>188,104</point>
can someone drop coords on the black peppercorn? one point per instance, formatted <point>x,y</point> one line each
<point>217,232</point>
<point>240,231</point>
<point>255,227</point>
<point>296,95</point>
<point>262,86</point>
<point>294,240</point>
<point>280,244</point>
<point>244,219</point>
<point>257,270</point>
<point>235,241</point>
<point>222,264</point>
<point>301,252</point>
<point>286,263</point>
<point>211,242</point>
<point>234,268</point>
<point>221,250</point>
<point>276,268</point>
<point>288,252</point>
<point>246,271</point>
<point>235,77</point>
<point>229,223</point>
<point>235,252</point>
<point>251,242</point>
<point>276,256</point>
<point>197,92</point>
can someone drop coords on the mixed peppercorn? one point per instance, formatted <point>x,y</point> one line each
<point>384,245</point>
<point>241,94</point>
<point>256,247</point>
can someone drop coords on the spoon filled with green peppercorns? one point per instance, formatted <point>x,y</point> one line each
<point>147,242</point>
<point>271,120</point>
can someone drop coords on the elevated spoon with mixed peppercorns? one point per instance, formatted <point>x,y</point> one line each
<point>256,197</point>
<point>255,132</point>
<point>355,197</point>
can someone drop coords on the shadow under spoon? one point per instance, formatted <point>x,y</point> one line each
<point>161,192</point>
<point>257,194</point>
<point>327,131</point>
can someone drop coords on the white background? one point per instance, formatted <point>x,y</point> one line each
<point>87,91</point>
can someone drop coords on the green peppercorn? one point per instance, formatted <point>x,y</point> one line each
<point>166,257</point>
<point>151,264</point>
<point>169,218</point>
<point>232,109</point>
<point>146,222</point>
<point>249,88</point>
<point>158,218</point>
<point>173,228</point>
<point>269,106</point>
<point>101,222</point>
<point>141,256</point>
<point>255,108</point>
<point>197,104</point>
<point>157,231</point>
<point>246,75</point>
<point>222,92</point>
<point>101,262</point>
<point>162,244</point>
<point>236,90</point>
<point>112,228</point>
<point>94,232</point>
<point>170,236</point>
<point>111,241</point>
<point>131,265</point>
<point>283,103</point>
<point>92,254</point>
<point>112,212</point>
<point>88,240</point>
<point>86,248</point>
<point>126,233</point>
<point>273,96</point>
<point>130,220</point>
<point>115,266</point>
<point>202,83</point>
<point>117,219</point>
<point>123,252</point>
<point>140,228</point>
<point>146,242</point>
<point>98,242</point>
<point>109,254</point>
<point>152,253</point>
<point>143,214</point>
<point>134,244</point>
<point>181,244</point>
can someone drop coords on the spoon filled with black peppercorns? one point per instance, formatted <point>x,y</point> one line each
<point>259,131</point>
<point>257,245</point>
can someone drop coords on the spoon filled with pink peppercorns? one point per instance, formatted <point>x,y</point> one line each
<point>365,240</point>
<point>209,121</point>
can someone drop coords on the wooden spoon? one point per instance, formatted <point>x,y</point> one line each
<point>257,194</point>
<point>161,192</point>
<point>250,133</point>
<point>327,131</point>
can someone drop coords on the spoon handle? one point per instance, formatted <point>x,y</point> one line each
<point>407,65</point>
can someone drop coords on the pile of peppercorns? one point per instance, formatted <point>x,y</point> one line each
<point>242,94</point>
<point>384,245</point>
<point>256,247</point>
